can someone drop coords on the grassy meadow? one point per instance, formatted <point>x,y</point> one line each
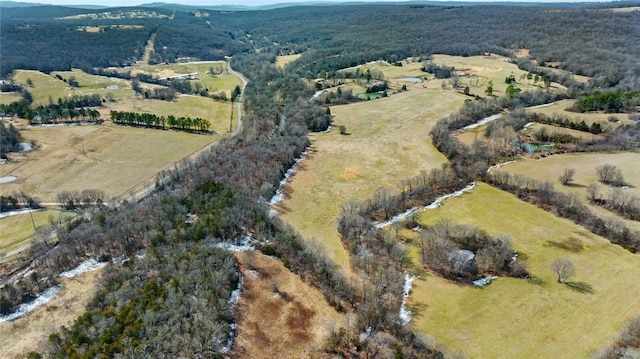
<point>17,231</point>
<point>518,318</point>
<point>114,159</point>
<point>388,140</point>
<point>284,60</point>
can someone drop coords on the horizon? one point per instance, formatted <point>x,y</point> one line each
<point>252,3</point>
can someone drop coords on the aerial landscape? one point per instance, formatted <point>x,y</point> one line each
<point>320,180</point>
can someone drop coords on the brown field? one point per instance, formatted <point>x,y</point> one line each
<point>30,332</point>
<point>293,322</point>
<point>284,60</point>
<point>531,130</point>
<point>517,318</point>
<point>114,159</point>
<point>9,97</point>
<point>589,118</point>
<point>388,141</point>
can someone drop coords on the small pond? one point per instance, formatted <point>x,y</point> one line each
<point>25,146</point>
<point>7,179</point>
<point>415,80</point>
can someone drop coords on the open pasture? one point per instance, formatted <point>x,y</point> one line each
<point>17,231</point>
<point>560,107</point>
<point>519,318</point>
<point>531,130</point>
<point>284,60</point>
<point>9,97</point>
<point>114,159</point>
<point>585,164</point>
<point>479,70</point>
<point>388,140</point>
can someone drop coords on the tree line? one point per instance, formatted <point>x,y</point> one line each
<point>154,121</point>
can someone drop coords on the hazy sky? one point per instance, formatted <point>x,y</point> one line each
<point>228,2</point>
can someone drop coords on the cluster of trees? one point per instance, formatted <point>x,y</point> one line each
<point>70,200</point>
<point>564,121</point>
<point>78,108</point>
<point>338,97</point>
<point>462,252</point>
<point>617,200</point>
<point>543,195</point>
<point>610,174</point>
<point>610,102</point>
<point>25,290</point>
<point>624,345</point>
<point>10,139</point>
<point>18,200</point>
<point>150,120</point>
<point>440,72</point>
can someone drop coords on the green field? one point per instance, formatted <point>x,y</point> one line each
<point>388,141</point>
<point>17,231</point>
<point>517,318</point>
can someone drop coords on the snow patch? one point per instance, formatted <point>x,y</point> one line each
<point>16,212</point>
<point>233,301</point>
<point>435,204</point>
<point>25,308</point>
<point>498,165</point>
<point>484,281</point>
<point>89,265</point>
<point>540,106</point>
<point>279,195</point>
<point>529,124</point>
<point>484,121</point>
<point>366,334</point>
<point>239,245</point>
<point>405,314</point>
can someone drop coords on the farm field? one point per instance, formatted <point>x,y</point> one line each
<point>517,318</point>
<point>293,322</point>
<point>31,332</point>
<point>531,130</point>
<point>17,231</point>
<point>284,60</point>
<point>9,97</point>
<point>584,164</point>
<point>589,118</point>
<point>388,140</point>
<point>111,158</point>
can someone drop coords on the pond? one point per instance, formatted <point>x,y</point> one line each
<point>535,147</point>
<point>25,146</point>
<point>415,80</point>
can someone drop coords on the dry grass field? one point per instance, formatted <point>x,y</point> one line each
<point>560,107</point>
<point>280,316</point>
<point>30,332</point>
<point>284,60</point>
<point>114,159</point>
<point>9,97</point>
<point>517,318</point>
<point>388,141</point>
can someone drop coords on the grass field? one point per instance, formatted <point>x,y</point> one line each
<point>17,231</point>
<point>9,97</point>
<point>284,60</point>
<point>589,118</point>
<point>114,159</point>
<point>388,141</point>
<point>293,322</point>
<point>516,318</point>
<point>31,332</point>
<point>584,164</point>
<point>531,130</point>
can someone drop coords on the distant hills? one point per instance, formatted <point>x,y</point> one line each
<point>181,7</point>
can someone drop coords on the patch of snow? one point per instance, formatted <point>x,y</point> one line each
<point>366,334</point>
<point>25,308</point>
<point>253,273</point>
<point>528,125</point>
<point>514,258</point>
<point>405,314</point>
<point>484,121</point>
<point>417,229</point>
<point>16,212</point>
<point>415,80</point>
<point>435,204</point>
<point>89,265</point>
<point>25,146</point>
<point>327,130</point>
<point>7,179</point>
<point>484,281</point>
<point>498,165</point>
<point>233,301</point>
<point>540,106</point>
<point>240,245</point>
<point>279,195</point>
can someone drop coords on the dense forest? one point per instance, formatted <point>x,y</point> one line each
<point>165,267</point>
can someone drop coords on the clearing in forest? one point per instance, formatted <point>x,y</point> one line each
<point>284,60</point>
<point>387,140</point>
<point>279,315</point>
<point>519,318</point>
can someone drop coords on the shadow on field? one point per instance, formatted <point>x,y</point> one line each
<point>571,244</point>
<point>537,281</point>
<point>417,309</point>
<point>580,287</point>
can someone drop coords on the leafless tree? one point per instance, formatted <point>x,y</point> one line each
<point>567,176</point>
<point>563,268</point>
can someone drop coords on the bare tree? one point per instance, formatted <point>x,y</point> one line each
<point>563,268</point>
<point>567,176</point>
<point>610,174</point>
<point>593,191</point>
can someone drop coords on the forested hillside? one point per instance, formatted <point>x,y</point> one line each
<point>168,285</point>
